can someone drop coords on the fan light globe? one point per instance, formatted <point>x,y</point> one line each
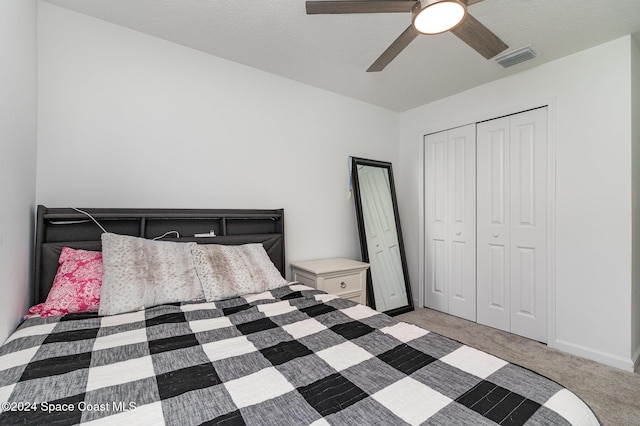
<point>438,16</point>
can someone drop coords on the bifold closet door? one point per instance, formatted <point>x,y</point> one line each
<point>450,217</point>
<point>512,223</point>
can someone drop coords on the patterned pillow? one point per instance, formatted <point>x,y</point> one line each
<point>139,273</point>
<point>230,271</point>
<point>76,287</point>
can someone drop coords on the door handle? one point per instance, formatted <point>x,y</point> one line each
<point>459,233</point>
<point>495,235</point>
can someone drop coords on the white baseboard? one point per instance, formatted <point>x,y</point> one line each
<point>626,364</point>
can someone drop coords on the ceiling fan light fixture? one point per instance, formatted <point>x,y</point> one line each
<point>438,16</point>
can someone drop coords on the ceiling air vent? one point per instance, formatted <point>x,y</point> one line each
<point>516,56</point>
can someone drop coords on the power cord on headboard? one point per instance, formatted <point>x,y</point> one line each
<point>91,217</point>
<point>104,230</point>
<point>167,233</point>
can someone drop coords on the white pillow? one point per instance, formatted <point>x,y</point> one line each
<point>230,271</point>
<point>138,273</point>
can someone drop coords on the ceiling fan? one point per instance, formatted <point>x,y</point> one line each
<point>429,17</point>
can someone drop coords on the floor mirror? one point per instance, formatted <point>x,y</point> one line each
<point>388,288</point>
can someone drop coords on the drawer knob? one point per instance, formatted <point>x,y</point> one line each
<point>343,285</point>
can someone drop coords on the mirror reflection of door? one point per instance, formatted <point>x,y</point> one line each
<point>381,244</point>
<point>382,239</point>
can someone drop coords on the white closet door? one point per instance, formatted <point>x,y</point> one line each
<point>450,222</point>
<point>529,224</point>
<point>462,222</point>
<point>512,223</point>
<point>435,188</point>
<point>493,269</point>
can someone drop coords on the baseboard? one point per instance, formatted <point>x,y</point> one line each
<point>626,364</point>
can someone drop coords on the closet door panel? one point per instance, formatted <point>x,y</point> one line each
<point>497,283</point>
<point>529,224</point>
<point>493,183</point>
<point>512,223</point>
<point>450,244</point>
<point>436,221</point>
<point>438,274</point>
<point>462,222</point>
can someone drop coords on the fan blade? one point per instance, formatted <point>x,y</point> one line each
<point>394,50</point>
<point>479,37</point>
<point>362,6</point>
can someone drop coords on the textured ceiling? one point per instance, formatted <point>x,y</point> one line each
<point>333,51</point>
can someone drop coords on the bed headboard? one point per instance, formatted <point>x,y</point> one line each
<point>60,227</point>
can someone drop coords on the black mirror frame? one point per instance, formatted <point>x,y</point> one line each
<point>355,162</point>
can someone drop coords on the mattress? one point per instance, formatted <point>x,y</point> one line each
<point>289,356</point>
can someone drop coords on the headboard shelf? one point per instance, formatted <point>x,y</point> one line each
<point>60,227</point>
<point>70,214</point>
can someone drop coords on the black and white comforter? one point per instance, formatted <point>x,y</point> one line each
<point>290,356</point>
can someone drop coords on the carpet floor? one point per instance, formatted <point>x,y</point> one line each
<point>613,394</point>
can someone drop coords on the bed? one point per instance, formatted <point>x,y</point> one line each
<point>288,355</point>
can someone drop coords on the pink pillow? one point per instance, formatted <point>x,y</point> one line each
<point>76,287</point>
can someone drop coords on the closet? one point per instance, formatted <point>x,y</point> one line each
<point>486,211</point>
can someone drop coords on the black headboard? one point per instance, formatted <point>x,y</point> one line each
<point>66,227</point>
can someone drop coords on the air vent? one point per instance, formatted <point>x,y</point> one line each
<point>516,56</point>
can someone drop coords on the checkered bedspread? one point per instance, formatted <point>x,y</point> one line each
<point>290,356</point>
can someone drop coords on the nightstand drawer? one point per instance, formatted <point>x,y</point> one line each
<point>343,284</point>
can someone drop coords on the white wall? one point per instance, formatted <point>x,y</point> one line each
<point>590,92</point>
<point>18,95</point>
<point>129,120</point>
<point>635,116</point>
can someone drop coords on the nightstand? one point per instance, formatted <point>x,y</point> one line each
<point>343,277</point>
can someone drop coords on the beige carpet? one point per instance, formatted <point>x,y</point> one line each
<point>613,394</point>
